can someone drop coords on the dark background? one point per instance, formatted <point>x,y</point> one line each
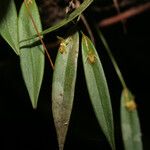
<point>22,128</point>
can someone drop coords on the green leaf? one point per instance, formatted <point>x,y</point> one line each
<point>110,54</point>
<point>9,24</point>
<point>97,88</point>
<point>130,122</point>
<point>31,54</point>
<point>68,19</point>
<point>64,85</point>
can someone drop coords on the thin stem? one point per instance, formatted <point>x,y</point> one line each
<point>87,28</point>
<point>125,15</point>
<point>120,76</point>
<point>121,4</point>
<point>39,35</point>
<point>118,11</point>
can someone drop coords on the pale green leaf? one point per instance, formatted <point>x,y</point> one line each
<point>63,85</point>
<point>130,122</point>
<point>31,53</point>
<point>97,88</point>
<point>9,24</point>
<point>67,19</point>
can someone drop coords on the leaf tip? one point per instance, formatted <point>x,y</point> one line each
<point>129,101</point>
<point>34,105</point>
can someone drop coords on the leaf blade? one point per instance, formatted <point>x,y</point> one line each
<point>97,88</point>
<point>9,24</point>
<point>63,87</point>
<point>31,54</point>
<point>69,18</point>
<point>130,123</point>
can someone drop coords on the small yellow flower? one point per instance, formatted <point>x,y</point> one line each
<point>62,47</point>
<point>91,57</point>
<point>130,105</point>
<point>63,44</point>
<point>29,2</point>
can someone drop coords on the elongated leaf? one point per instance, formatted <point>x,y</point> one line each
<point>63,85</point>
<point>130,123</point>
<point>97,88</point>
<point>31,55</point>
<point>68,18</point>
<point>9,23</point>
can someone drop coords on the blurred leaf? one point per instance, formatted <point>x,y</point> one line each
<point>31,54</point>
<point>64,85</point>
<point>97,88</point>
<point>130,122</point>
<point>9,24</point>
<point>68,19</point>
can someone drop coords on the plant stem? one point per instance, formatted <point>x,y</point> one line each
<point>39,35</point>
<point>125,15</point>
<point>118,11</point>
<point>120,76</point>
<point>87,28</point>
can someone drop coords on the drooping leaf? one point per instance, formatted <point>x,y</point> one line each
<point>9,24</point>
<point>97,88</point>
<point>68,19</point>
<point>31,52</point>
<point>64,85</point>
<point>130,122</point>
<point>110,54</point>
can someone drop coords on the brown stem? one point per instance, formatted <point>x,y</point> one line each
<point>118,11</point>
<point>109,7</point>
<point>39,35</point>
<point>125,15</point>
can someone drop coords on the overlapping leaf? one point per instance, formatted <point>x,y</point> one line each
<point>31,53</point>
<point>64,84</point>
<point>68,18</point>
<point>130,123</point>
<point>97,88</point>
<point>9,23</point>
